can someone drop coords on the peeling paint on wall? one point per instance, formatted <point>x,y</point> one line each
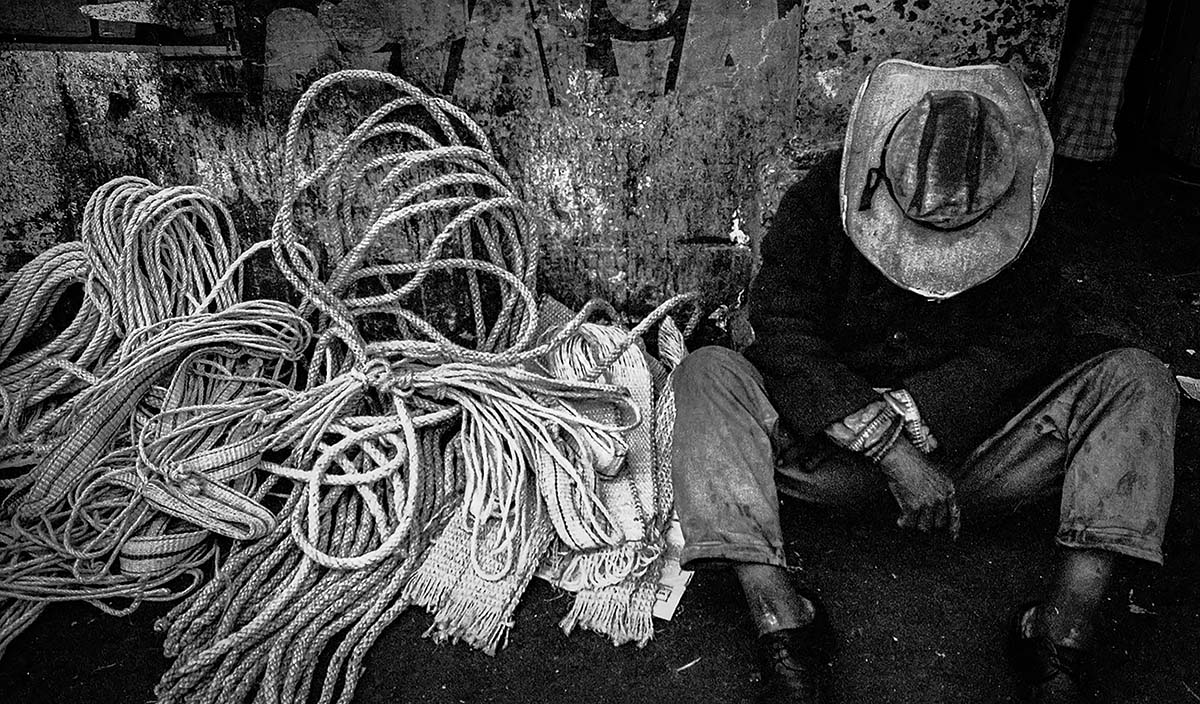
<point>636,128</point>
<point>843,40</point>
<point>635,189</point>
<point>71,121</point>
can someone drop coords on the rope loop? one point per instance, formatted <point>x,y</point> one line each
<point>413,393</point>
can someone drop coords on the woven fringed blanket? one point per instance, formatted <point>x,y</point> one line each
<point>609,553</point>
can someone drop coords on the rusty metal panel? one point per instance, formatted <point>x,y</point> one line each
<point>653,138</point>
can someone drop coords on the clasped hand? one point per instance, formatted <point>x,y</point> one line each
<point>923,491</point>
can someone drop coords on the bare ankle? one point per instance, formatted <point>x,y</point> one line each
<point>772,598</point>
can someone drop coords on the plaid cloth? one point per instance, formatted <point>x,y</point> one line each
<point>1091,93</point>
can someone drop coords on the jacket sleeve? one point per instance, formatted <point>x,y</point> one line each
<point>1013,350</point>
<point>790,309</point>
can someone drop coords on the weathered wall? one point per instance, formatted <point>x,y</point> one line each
<point>652,137</point>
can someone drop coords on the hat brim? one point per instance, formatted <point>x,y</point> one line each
<point>938,263</point>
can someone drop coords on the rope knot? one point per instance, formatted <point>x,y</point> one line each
<point>186,480</point>
<point>402,385</point>
<point>190,483</point>
<point>379,374</point>
<point>360,376</point>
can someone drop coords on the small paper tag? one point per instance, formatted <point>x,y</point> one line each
<point>673,580</point>
<point>1190,386</point>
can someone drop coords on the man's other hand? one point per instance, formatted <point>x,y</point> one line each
<point>923,491</point>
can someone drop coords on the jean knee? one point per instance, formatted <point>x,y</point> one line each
<point>717,388</point>
<point>1140,371</point>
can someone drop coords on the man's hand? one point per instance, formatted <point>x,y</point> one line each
<point>924,492</point>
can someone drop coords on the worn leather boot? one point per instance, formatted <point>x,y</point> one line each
<point>795,663</point>
<point>1051,673</point>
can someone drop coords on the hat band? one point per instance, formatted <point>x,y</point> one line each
<point>878,174</point>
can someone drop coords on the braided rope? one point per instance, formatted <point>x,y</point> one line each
<point>332,454</point>
<point>93,512</point>
<point>32,378</point>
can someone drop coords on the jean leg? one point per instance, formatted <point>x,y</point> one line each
<point>1106,431</point>
<point>829,476</point>
<point>722,461</point>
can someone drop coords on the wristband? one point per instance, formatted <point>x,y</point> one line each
<point>876,431</point>
<point>871,435</point>
<point>902,402</point>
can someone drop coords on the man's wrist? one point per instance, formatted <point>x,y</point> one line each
<point>901,452</point>
<point>870,431</point>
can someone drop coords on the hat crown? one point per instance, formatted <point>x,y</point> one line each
<point>950,158</point>
<point>979,202</point>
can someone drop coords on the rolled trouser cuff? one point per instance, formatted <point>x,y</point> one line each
<point>1120,540</point>
<point>716,553</point>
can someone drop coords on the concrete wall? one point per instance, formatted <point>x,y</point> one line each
<point>652,137</point>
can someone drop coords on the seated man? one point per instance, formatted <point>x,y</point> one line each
<point>912,344</point>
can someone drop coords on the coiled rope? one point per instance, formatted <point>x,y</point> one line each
<point>96,510</point>
<point>379,446</point>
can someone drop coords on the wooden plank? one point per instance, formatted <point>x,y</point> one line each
<point>165,50</point>
<point>116,30</point>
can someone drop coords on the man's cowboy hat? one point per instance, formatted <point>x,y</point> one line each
<point>943,173</point>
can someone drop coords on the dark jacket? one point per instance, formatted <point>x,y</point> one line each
<point>829,327</point>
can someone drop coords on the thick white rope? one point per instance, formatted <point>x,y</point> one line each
<point>334,463</point>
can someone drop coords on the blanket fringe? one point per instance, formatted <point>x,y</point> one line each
<point>465,606</point>
<point>577,571</point>
<point>443,567</point>
<point>623,612</point>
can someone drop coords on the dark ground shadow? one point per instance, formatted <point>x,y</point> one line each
<point>919,619</point>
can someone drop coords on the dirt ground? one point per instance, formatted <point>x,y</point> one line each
<point>919,619</point>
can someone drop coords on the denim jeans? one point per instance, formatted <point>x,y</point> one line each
<point>1103,435</point>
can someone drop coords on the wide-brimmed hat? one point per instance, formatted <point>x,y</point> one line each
<point>944,173</point>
